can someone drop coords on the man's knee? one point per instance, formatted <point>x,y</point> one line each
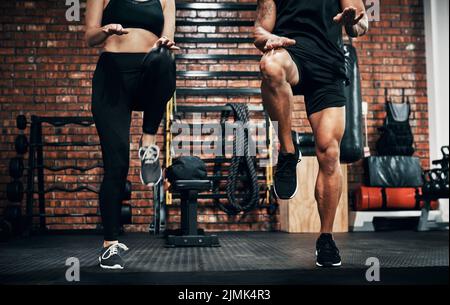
<point>272,69</point>
<point>328,156</point>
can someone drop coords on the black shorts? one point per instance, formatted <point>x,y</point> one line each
<point>321,87</point>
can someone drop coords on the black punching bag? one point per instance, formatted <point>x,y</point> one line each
<point>352,146</point>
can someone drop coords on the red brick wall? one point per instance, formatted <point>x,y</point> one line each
<point>46,69</point>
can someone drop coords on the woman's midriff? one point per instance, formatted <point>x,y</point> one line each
<point>136,41</point>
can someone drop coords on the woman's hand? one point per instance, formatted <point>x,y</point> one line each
<point>166,42</point>
<point>276,42</point>
<point>114,29</point>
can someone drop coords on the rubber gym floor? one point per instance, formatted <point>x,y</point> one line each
<point>243,259</point>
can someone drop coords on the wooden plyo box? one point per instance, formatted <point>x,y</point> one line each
<point>300,214</point>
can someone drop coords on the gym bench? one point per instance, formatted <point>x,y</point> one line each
<point>189,235</point>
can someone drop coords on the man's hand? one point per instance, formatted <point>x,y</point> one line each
<point>276,42</point>
<point>356,24</point>
<point>348,17</point>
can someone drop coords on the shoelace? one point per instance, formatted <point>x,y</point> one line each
<point>114,249</point>
<point>150,154</point>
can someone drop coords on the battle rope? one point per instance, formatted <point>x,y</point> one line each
<point>240,165</point>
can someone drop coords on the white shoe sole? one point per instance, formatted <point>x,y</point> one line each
<point>153,183</point>
<point>115,267</point>
<point>296,188</point>
<point>332,265</point>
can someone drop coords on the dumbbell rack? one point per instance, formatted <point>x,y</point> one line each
<point>36,167</point>
<point>429,194</point>
<point>36,162</point>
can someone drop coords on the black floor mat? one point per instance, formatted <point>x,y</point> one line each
<point>244,258</point>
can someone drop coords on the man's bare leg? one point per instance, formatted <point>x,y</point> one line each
<point>279,74</point>
<point>328,127</point>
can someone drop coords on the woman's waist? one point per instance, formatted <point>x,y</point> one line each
<point>136,41</point>
<point>124,62</point>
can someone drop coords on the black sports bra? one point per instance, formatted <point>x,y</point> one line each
<point>146,15</point>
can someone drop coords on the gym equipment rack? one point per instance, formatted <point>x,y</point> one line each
<point>36,166</point>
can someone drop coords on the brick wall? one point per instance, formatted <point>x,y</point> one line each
<point>46,69</point>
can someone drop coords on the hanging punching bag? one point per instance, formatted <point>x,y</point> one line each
<point>352,146</point>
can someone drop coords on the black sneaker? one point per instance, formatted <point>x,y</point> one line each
<point>327,253</point>
<point>110,257</point>
<point>285,184</point>
<point>151,172</point>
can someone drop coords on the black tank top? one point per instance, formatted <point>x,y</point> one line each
<point>310,23</point>
<point>146,15</point>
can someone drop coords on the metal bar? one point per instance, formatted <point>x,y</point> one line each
<point>56,188</point>
<point>63,215</point>
<point>77,168</point>
<point>156,209</point>
<point>64,144</point>
<point>218,74</point>
<point>62,121</point>
<point>233,40</point>
<point>216,6</point>
<point>206,128</point>
<point>30,178</point>
<point>40,176</point>
<point>262,194</point>
<point>206,109</point>
<point>218,57</point>
<point>218,92</point>
<point>218,22</point>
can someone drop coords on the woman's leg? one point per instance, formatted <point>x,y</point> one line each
<point>112,118</point>
<point>158,84</point>
<point>114,137</point>
<point>149,153</point>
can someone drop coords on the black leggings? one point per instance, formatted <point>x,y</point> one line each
<point>114,86</point>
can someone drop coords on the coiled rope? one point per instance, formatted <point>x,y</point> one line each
<point>240,166</point>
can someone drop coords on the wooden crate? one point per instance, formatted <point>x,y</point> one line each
<point>300,214</point>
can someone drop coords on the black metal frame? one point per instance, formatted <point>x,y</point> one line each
<point>424,225</point>
<point>158,224</point>
<point>36,168</point>
<point>189,235</point>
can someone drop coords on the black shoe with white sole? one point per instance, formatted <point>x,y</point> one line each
<point>285,184</point>
<point>111,258</point>
<point>151,172</point>
<point>327,252</point>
